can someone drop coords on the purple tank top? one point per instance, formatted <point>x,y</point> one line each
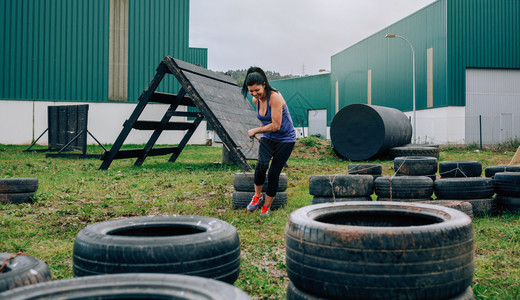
<point>286,134</point>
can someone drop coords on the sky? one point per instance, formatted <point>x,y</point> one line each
<point>288,36</point>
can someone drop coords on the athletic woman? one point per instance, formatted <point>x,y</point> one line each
<point>277,136</point>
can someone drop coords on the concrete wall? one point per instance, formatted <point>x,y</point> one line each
<point>23,121</point>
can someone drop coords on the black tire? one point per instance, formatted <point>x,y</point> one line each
<point>318,200</point>
<point>190,245</point>
<point>462,168</point>
<point>483,207</point>
<point>464,188</point>
<point>341,185</point>
<point>415,187</point>
<point>380,250</point>
<point>433,177</point>
<point>16,198</point>
<point>241,200</point>
<point>507,184</point>
<point>492,170</point>
<point>130,286</point>
<point>415,165</point>
<point>18,185</point>
<point>508,203</point>
<point>422,145</point>
<point>245,182</point>
<point>414,151</point>
<point>366,169</point>
<point>294,293</point>
<point>463,206</point>
<point>404,199</point>
<point>22,270</point>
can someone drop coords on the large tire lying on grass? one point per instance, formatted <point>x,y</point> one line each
<point>461,168</point>
<point>17,190</point>
<point>22,270</point>
<point>414,187</point>
<point>415,165</point>
<point>242,199</point>
<point>130,286</point>
<point>340,185</point>
<point>492,170</point>
<point>190,245</point>
<point>245,182</point>
<point>414,151</point>
<point>380,250</point>
<point>462,188</point>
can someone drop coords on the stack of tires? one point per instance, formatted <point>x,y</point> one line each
<point>507,186</point>
<point>461,180</point>
<point>376,170</point>
<point>403,188</point>
<point>244,185</point>
<point>19,270</point>
<point>416,166</point>
<point>17,190</point>
<point>492,170</point>
<point>176,244</point>
<point>340,187</point>
<point>379,250</point>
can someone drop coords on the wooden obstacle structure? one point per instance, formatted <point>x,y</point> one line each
<point>218,100</point>
<point>67,131</point>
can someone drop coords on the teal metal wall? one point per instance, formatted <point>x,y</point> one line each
<point>482,34</point>
<point>462,33</point>
<point>306,93</point>
<point>54,50</point>
<point>390,62</point>
<point>58,49</point>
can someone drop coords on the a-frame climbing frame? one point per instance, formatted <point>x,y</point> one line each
<point>216,96</point>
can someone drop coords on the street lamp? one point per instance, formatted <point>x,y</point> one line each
<point>336,88</point>
<point>389,36</point>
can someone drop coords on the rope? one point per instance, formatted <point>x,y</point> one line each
<point>6,261</point>
<point>331,182</point>
<point>457,169</point>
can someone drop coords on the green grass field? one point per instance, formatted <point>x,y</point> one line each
<point>73,193</point>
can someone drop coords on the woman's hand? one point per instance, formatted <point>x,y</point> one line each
<point>251,133</point>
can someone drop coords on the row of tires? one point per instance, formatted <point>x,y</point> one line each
<point>17,190</point>
<point>244,186</point>
<point>198,247</point>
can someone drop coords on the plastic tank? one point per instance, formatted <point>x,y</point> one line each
<point>360,132</point>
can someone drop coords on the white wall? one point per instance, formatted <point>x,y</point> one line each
<point>23,121</point>
<point>445,125</point>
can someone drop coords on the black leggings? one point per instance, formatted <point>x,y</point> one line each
<point>280,152</point>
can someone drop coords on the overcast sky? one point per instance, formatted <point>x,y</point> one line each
<point>288,36</point>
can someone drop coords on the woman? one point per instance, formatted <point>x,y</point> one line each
<point>278,136</point>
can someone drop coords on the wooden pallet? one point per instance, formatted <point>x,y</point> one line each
<point>218,100</point>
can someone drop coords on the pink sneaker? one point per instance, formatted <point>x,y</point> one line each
<point>255,202</point>
<point>265,211</point>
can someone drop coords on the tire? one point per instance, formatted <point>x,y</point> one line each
<point>245,182</point>
<point>18,185</point>
<point>507,184</point>
<point>433,177</point>
<point>294,293</point>
<point>414,151</point>
<point>414,187</point>
<point>365,169</point>
<point>22,270</point>
<point>130,286</point>
<point>462,168</point>
<point>492,170</point>
<point>464,188</point>
<point>380,250</point>
<point>404,199</point>
<point>318,200</point>
<point>241,200</point>
<point>415,165</point>
<point>190,245</point>
<point>483,207</point>
<point>340,185</point>
<point>508,203</point>
<point>16,198</point>
<point>462,206</point>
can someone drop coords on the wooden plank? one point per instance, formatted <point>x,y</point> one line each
<point>154,125</point>
<point>189,114</point>
<point>166,98</point>
<point>516,157</point>
<point>133,153</point>
<point>191,68</point>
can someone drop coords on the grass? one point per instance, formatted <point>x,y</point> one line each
<point>73,193</point>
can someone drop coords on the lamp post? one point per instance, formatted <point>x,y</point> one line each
<point>389,36</point>
<point>336,97</point>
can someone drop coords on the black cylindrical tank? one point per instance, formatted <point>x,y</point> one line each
<point>360,132</point>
